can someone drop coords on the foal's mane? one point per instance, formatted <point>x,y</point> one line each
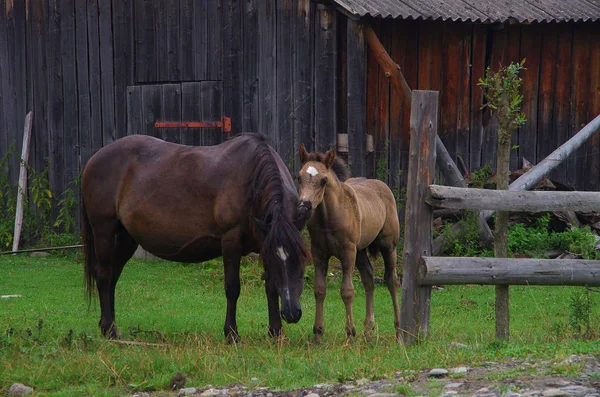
<point>266,196</point>
<point>339,166</point>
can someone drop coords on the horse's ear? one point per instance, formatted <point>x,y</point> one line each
<point>328,160</point>
<point>303,154</point>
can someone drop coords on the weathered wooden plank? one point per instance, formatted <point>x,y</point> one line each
<point>545,143</point>
<point>463,101</point>
<point>233,65</point>
<point>356,104</point>
<point>303,76</point>
<point>151,109</point>
<point>8,87</point>
<point>171,111</point>
<point>214,45</point>
<point>561,129</point>
<point>39,19</point>
<point>430,56</point>
<point>173,38</point>
<point>124,58</point>
<point>70,144</point>
<point>414,313</point>
<point>95,131</point>
<point>382,135</point>
<point>185,49</point>
<point>55,97</point>
<point>325,81</point>
<point>512,56</point>
<point>372,111</point>
<point>267,71</point>
<point>191,110</point>
<point>200,40</point>
<point>505,200</point>
<point>160,40</point>
<point>3,72</point>
<point>478,122</point>
<point>495,271</point>
<point>450,89</point>
<point>284,81</point>
<point>211,93</point>
<point>531,43</point>
<point>145,51</point>
<point>580,96</point>
<point>134,110</point>
<point>594,108</point>
<point>399,37</point>
<point>106,68</point>
<point>250,70</point>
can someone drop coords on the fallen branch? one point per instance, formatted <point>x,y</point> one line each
<point>136,343</point>
<point>42,249</point>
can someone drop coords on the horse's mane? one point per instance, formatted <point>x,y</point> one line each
<point>339,166</point>
<point>266,196</point>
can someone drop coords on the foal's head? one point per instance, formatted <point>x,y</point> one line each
<point>317,171</point>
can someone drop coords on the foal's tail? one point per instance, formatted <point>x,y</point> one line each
<point>373,250</point>
<point>89,252</point>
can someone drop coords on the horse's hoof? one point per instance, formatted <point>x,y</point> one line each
<point>317,339</point>
<point>112,332</point>
<point>233,338</point>
<point>275,332</point>
<point>351,333</point>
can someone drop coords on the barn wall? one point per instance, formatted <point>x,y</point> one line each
<point>79,64</point>
<point>561,89</point>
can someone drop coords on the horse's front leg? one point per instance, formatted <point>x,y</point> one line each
<point>273,307</point>
<point>366,275</point>
<point>321,265</point>
<point>231,263</point>
<point>348,259</point>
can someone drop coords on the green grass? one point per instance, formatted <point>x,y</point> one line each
<point>184,307</point>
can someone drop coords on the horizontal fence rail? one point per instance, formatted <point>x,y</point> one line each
<point>506,200</point>
<point>494,271</point>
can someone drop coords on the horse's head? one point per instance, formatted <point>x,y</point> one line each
<point>313,179</point>
<point>284,256</point>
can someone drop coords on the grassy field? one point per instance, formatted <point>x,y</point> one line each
<point>50,341</point>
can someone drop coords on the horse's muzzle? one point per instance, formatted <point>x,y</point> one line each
<point>291,314</point>
<point>304,210</point>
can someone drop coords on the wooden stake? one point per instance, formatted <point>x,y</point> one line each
<point>22,192</point>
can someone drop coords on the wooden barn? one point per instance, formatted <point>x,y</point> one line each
<point>299,71</point>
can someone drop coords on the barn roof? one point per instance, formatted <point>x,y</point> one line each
<point>522,11</point>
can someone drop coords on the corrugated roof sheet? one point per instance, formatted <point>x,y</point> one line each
<point>476,10</point>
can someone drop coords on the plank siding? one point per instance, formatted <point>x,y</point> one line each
<point>294,70</point>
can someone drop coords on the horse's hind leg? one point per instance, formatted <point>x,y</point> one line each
<point>321,265</point>
<point>366,275</point>
<point>113,246</point>
<point>391,280</point>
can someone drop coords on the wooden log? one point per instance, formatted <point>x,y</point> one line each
<point>453,177</point>
<point>507,271</point>
<point>505,200</point>
<point>414,313</point>
<point>22,192</point>
<point>390,68</point>
<point>533,176</point>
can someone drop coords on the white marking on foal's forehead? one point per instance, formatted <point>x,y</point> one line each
<point>282,253</point>
<point>312,171</point>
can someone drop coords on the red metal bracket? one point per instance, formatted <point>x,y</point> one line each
<point>224,124</point>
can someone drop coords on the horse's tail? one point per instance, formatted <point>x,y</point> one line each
<point>89,252</point>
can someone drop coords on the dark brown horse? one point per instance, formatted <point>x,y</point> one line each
<point>192,204</point>
<point>347,218</point>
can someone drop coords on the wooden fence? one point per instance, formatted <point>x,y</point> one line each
<point>421,270</point>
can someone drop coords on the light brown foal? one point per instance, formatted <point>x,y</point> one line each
<point>345,219</point>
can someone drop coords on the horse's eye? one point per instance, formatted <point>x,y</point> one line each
<point>324,181</point>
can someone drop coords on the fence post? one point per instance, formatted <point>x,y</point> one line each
<point>414,313</point>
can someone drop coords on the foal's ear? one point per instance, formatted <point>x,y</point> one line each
<point>328,160</point>
<point>303,154</point>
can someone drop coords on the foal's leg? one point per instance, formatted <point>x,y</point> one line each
<point>104,274</point>
<point>391,280</point>
<point>232,255</point>
<point>321,265</point>
<point>347,289</point>
<point>366,275</point>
